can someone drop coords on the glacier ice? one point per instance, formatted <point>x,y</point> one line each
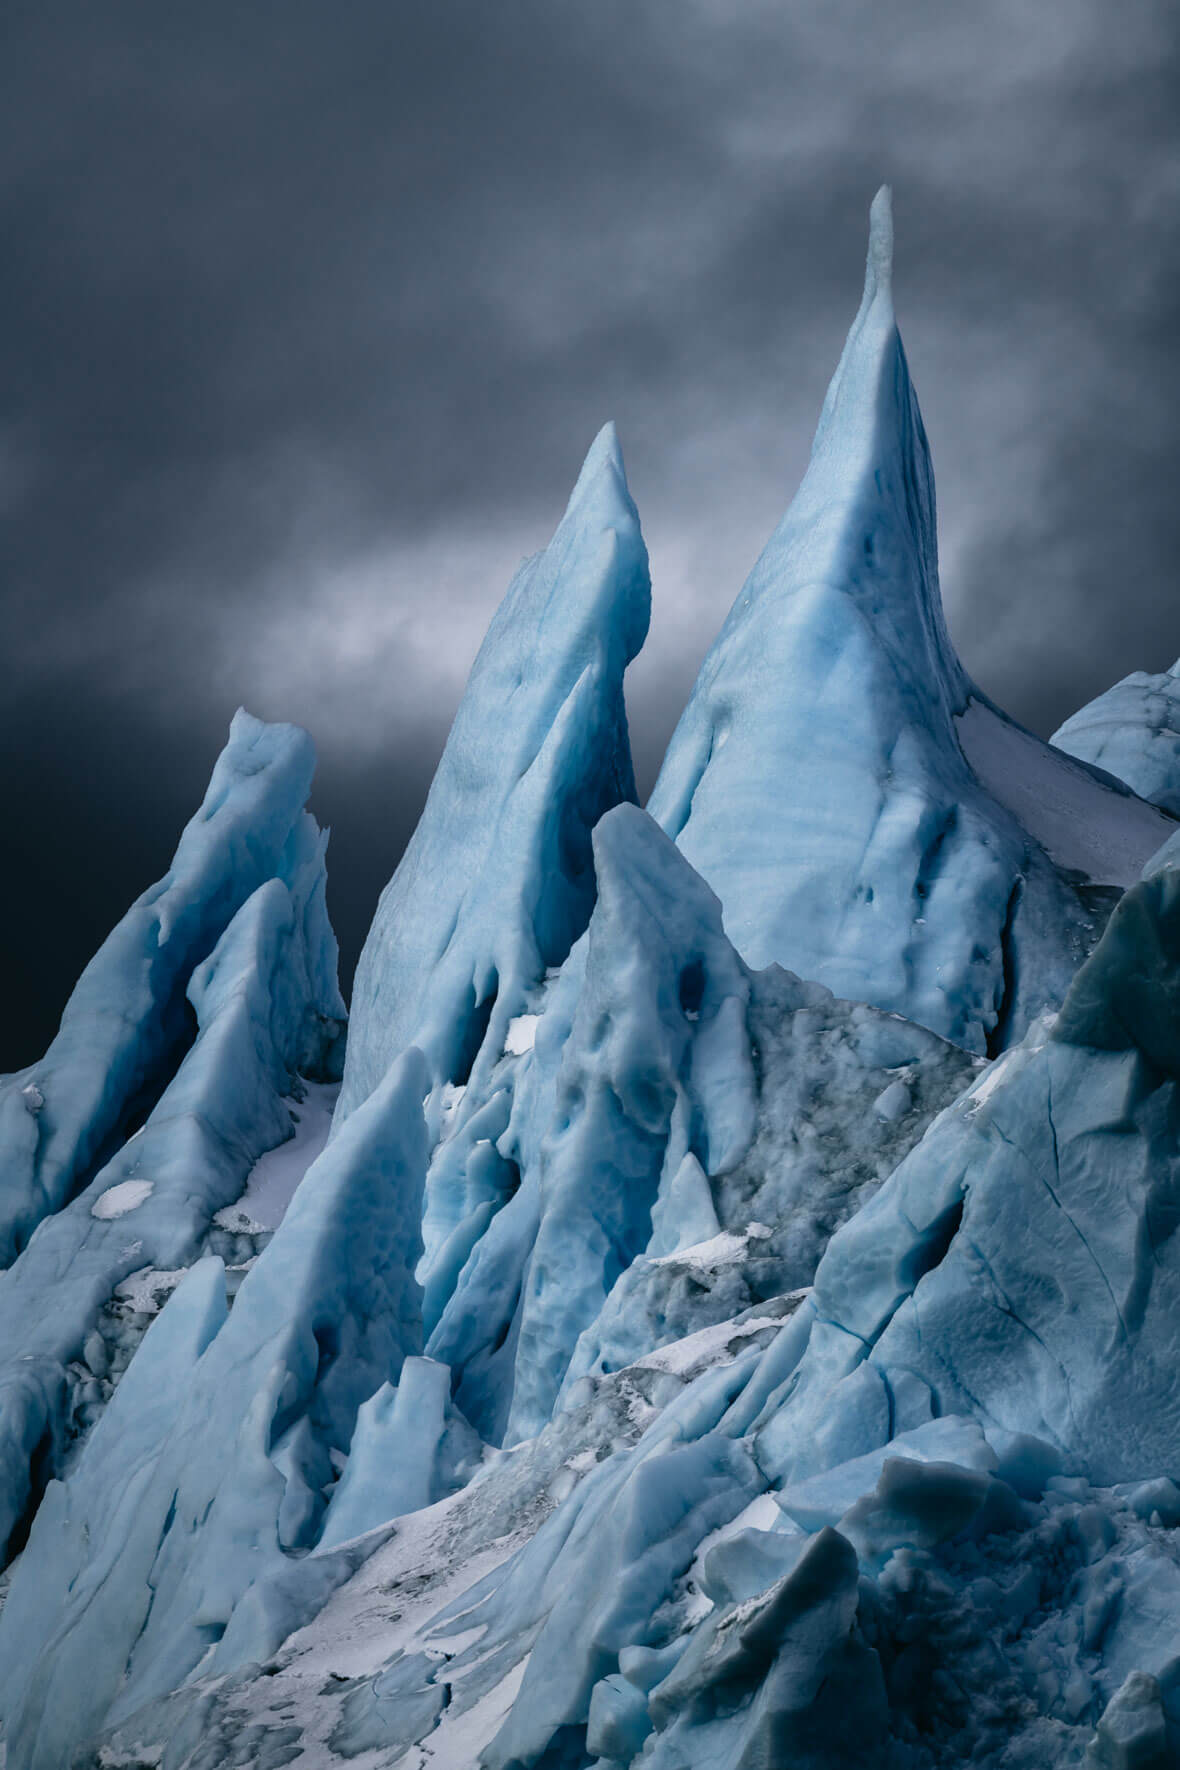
<point>820,778</point>
<point>1133,732</point>
<point>666,1362</point>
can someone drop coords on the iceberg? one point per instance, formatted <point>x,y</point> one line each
<point>1133,732</point>
<point>75,1303</point>
<point>853,799</point>
<point>668,1089</point>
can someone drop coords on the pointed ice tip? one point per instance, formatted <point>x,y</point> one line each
<point>879,267</point>
<point>605,456</point>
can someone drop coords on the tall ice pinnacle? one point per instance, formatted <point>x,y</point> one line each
<point>823,778</point>
<point>497,882</point>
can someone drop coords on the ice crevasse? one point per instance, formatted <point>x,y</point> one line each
<point>733,1320</point>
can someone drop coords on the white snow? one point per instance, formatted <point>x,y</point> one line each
<point>149,1289</point>
<point>118,1200</point>
<point>272,1180</point>
<point>1081,824</point>
<point>520,1035</point>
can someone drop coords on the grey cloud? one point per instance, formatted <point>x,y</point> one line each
<point>309,316</point>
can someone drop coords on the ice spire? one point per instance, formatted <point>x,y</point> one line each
<point>817,777</point>
<point>497,881</point>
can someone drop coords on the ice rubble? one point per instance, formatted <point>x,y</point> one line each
<point>672,1364</point>
<point>1133,731</point>
<point>817,779</point>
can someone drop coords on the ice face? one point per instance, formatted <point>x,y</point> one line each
<point>496,883</point>
<point>816,778</point>
<point>127,1024</point>
<point>1133,731</point>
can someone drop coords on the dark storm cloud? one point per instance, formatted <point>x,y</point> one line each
<point>309,314</point>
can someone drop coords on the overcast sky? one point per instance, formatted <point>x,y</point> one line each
<point>310,312</point>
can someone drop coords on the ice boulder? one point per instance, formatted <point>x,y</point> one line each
<point>1133,731</point>
<point>127,1022</point>
<point>497,883</point>
<point>866,817</point>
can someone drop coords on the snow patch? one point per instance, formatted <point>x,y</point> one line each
<point>521,1034</point>
<point>272,1180</point>
<point>118,1200</point>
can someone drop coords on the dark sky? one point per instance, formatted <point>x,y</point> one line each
<point>309,313</point>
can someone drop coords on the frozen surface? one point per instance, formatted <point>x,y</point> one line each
<point>815,778</point>
<point>1133,731</point>
<point>122,1198</point>
<point>1082,825</point>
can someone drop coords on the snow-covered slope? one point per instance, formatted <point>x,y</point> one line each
<point>857,828</point>
<point>665,1363</point>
